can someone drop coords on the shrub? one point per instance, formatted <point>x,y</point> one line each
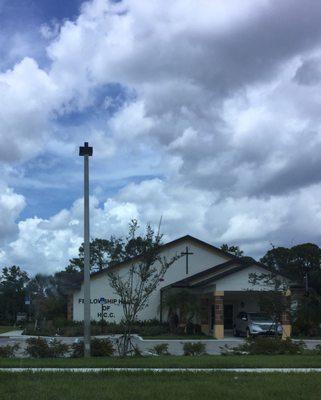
<point>37,348</point>
<point>151,330</point>
<point>40,331</point>
<point>161,349</point>
<point>194,348</point>
<point>151,322</point>
<point>71,331</point>
<point>317,349</point>
<point>40,348</point>
<point>99,348</point>
<point>57,348</point>
<point>8,351</point>
<point>62,322</point>
<point>64,327</point>
<point>77,349</point>
<point>269,345</point>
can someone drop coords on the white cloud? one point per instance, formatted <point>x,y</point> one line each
<point>11,205</point>
<point>222,103</point>
<point>254,224</point>
<point>130,122</point>
<point>28,96</point>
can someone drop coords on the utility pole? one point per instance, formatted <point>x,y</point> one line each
<point>86,152</point>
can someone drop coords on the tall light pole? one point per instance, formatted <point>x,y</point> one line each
<point>86,152</point>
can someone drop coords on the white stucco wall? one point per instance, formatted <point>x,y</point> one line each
<point>240,280</point>
<point>202,259</point>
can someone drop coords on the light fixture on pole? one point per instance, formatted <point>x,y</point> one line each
<point>86,152</point>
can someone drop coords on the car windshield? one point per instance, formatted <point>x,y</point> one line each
<point>259,317</point>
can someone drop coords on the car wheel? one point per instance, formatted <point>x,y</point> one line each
<point>248,333</point>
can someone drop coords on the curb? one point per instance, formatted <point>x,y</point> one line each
<point>166,370</point>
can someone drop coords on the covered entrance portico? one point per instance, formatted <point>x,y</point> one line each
<point>220,308</point>
<point>224,291</point>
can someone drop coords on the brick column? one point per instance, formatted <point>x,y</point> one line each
<point>70,308</point>
<point>286,316</point>
<point>219,315</point>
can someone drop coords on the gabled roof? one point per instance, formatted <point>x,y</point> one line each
<point>182,239</point>
<point>212,274</point>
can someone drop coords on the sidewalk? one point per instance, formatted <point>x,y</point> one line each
<point>166,370</point>
<point>12,334</point>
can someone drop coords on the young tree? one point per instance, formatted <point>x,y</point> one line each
<point>135,285</point>
<point>272,297</point>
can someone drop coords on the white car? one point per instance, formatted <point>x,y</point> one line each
<point>255,324</point>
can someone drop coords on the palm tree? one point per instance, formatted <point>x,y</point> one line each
<point>182,306</point>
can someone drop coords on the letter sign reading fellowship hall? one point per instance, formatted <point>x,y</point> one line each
<point>104,307</point>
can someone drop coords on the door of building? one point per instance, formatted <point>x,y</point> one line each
<point>212,317</point>
<point>228,316</point>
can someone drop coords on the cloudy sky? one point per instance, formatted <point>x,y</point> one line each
<point>207,113</point>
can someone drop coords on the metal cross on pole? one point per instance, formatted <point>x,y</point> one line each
<point>186,253</point>
<point>86,151</point>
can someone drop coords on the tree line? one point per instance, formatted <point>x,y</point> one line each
<point>48,293</point>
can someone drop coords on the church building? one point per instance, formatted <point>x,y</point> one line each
<point>218,279</point>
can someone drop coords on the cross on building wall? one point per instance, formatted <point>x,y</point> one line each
<point>186,253</point>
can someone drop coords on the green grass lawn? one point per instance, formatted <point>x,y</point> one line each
<point>176,386</point>
<point>4,329</point>
<point>171,362</point>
